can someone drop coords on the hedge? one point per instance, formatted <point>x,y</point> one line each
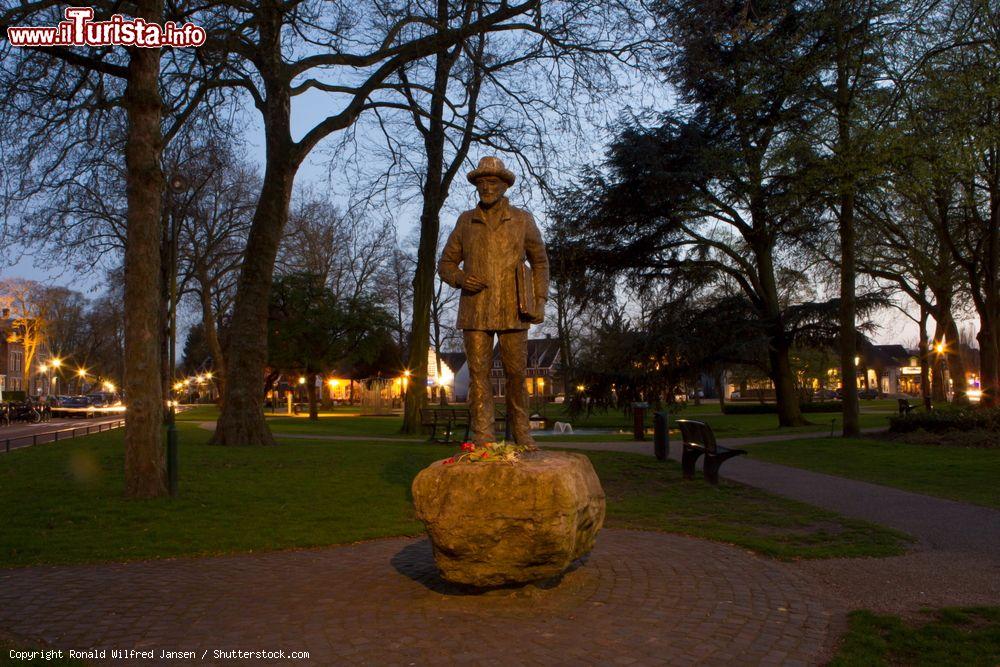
<point>772,408</point>
<point>947,419</point>
<point>16,396</point>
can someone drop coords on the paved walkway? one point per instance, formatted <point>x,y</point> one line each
<point>936,522</point>
<point>642,598</point>
<point>955,561</point>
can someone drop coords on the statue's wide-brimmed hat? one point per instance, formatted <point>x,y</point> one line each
<point>492,166</point>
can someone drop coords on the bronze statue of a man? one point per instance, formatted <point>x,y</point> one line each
<point>485,257</point>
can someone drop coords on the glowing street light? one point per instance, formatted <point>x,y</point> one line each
<point>302,379</point>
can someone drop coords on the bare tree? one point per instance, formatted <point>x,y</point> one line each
<point>214,219</point>
<point>62,104</point>
<point>395,289</point>
<point>517,92</point>
<point>28,309</point>
<point>282,51</point>
<point>344,250</point>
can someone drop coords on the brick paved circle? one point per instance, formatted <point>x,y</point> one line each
<point>640,598</point>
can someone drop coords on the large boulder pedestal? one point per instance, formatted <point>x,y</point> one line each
<point>494,524</point>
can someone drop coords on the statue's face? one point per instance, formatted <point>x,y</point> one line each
<point>490,189</point>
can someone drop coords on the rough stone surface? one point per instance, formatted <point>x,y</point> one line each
<point>494,524</point>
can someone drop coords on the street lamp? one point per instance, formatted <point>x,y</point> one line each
<point>178,185</point>
<point>54,363</point>
<point>81,374</point>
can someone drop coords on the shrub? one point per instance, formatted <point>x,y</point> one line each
<point>14,396</point>
<point>771,408</point>
<point>947,419</point>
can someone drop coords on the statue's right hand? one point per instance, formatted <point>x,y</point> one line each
<point>473,284</point>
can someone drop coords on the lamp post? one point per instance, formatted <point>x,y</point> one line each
<point>54,364</point>
<point>178,184</point>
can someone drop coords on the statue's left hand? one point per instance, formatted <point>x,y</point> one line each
<point>539,314</point>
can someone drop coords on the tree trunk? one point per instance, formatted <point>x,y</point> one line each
<point>420,329</point>
<point>789,412</point>
<point>435,191</point>
<point>989,361</point>
<point>565,344</point>
<point>780,370</point>
<point>720,378</point>
<point>313,398</point>
<point>925,380</point>
<point>145,471</point>
<point>241,421</point>
<point>212,336</point>
<point>956,365</point>
<point>939,392</point>
<point>848,262</point>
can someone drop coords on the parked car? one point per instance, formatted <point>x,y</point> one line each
<point>102,399</point>
<point>866,394</point>
<point>824,395</point>
<point>78,406</point>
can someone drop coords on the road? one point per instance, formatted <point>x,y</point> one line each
<point>19,435</point>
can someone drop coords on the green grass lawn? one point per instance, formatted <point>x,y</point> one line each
<point>352,426</point>
<point>725,426</point>
<point>67,505</point>
<point>646,494</point>
<point>344,421</point>
<point>968,637</point>
<point>198,413</point>
<point>967,474</point>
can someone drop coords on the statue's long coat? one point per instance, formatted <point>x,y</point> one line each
<point>491,247</point>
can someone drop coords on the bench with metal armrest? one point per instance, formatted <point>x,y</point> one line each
<point>447,420</point>
<point>700,440</point>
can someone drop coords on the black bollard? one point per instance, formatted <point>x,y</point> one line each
<point>661,438</point>
<point>172,452</point>
<point>639,421</point>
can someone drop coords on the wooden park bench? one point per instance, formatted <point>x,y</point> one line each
<point>699,439</point>
<point>447,420</point>
<point>904,406</point>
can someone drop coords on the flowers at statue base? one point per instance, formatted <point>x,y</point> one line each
<point>502,451</point>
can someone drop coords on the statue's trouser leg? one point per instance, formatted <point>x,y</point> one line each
<point>479,353</point>
<point>514,356</point>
